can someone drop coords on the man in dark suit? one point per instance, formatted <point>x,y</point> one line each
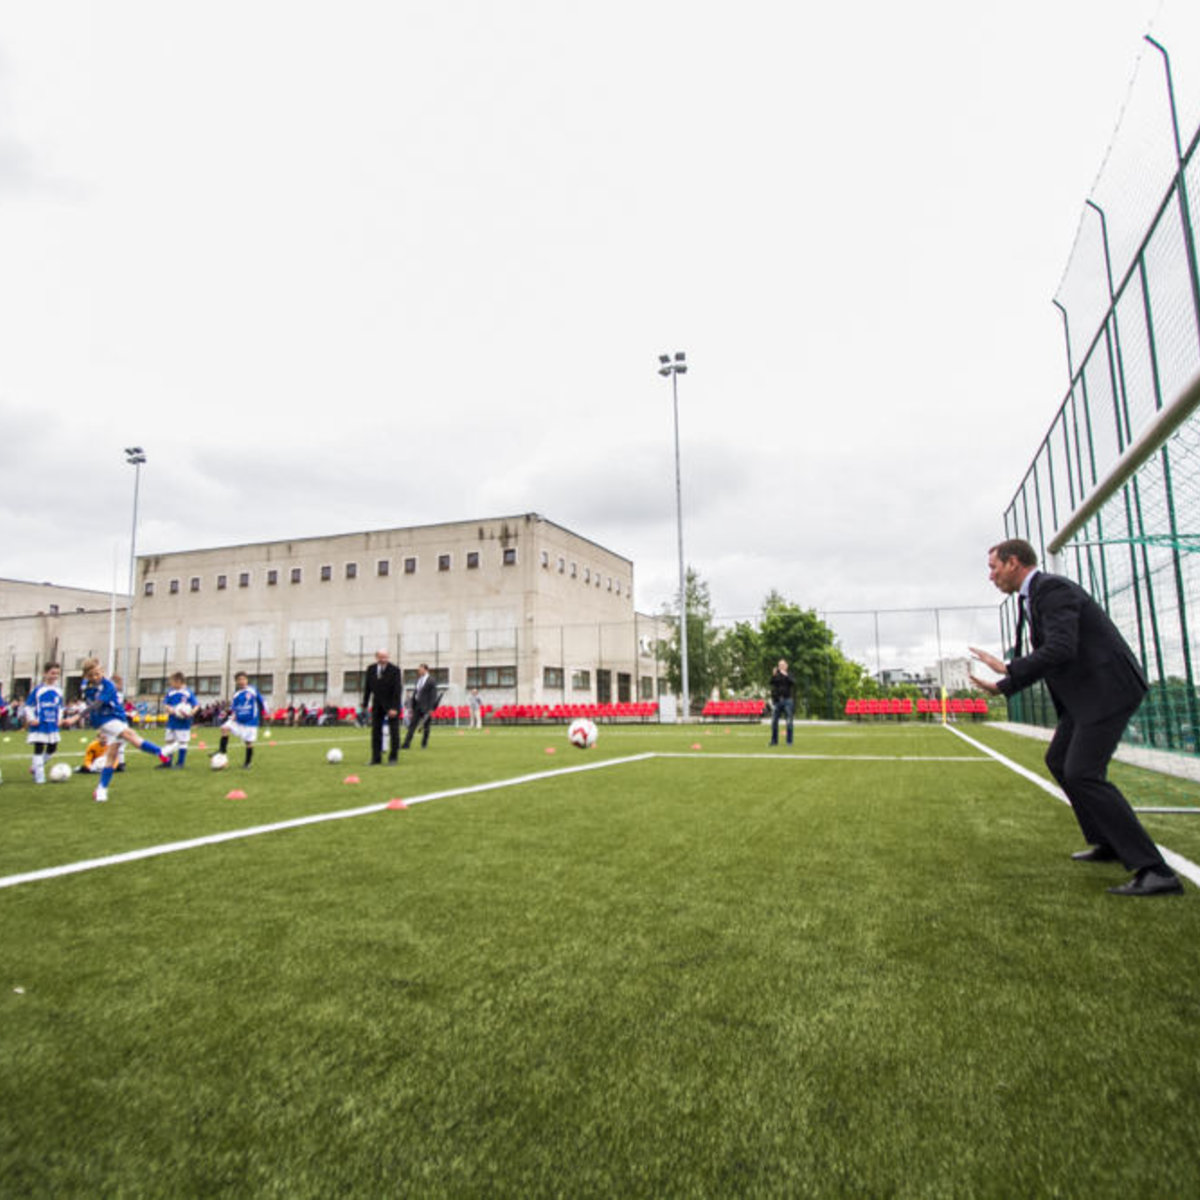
<point>382,695</point>
<point>424,701</point>
<point>1096,685</point>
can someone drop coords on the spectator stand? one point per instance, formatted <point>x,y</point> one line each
<point>734,710</point>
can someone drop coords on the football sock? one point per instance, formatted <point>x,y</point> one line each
<point>182,758</point>
<point>224,744</point>
<point>106,775</point>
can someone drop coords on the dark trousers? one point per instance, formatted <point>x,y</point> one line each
<point>782,708</point>
<point>1078,758</point>
<point>423,720</point>
<point>378,717</point>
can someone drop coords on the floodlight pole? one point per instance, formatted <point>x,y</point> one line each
<point>674,368</point>
<point>135,456</point>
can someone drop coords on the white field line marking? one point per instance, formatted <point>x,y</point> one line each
<point>764,757</point>
<point>230,835</point>
<point>1184,866</point>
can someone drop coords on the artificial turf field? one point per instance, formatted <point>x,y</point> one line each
<point>862,966</point>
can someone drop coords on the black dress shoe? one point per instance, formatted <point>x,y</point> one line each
<point>1150,881</point>
<point>1095,854</point>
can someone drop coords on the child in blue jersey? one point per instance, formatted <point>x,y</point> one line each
<point>43,717</point>
<point>246,710</point>
<point>107,715</point>
<point>180,703</point>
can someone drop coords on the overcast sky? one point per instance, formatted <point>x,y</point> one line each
<point>371,264</point>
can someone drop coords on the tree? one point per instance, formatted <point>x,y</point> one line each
<point>824,677</point>
<point>707,657</point>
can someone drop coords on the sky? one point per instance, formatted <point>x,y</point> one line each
<point>374,264</point>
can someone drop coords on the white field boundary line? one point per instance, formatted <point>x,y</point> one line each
<point>230,835</point>
<point>763,757</point>
<point>1184,866</point>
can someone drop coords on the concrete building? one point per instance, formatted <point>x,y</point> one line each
<point>518,606</point>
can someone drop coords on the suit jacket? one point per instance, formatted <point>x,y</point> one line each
<point>424,697</point>
<point>383,686</point>
<point>1089,669</point>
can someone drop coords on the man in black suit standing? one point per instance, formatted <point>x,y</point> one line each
<point>382,695</point>
<point>1096,685</point>
<point>424,701</point>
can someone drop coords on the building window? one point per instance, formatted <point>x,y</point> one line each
<point>244,579</point>
<point>296,574</point>
<point>562,565</point>
<point>648,687</point>
<point>352,682</point>
<point>491,677</point>
<point>54,610</point>
<point>272,577</point>
<point>581,681</point>
<point>587,574</point>
<point>546,558</point>
<point>610,583</point>
<point>207,685</point>
<point>307,681</point>
<point>352,570</point>
<point>264,683</point>
<point>222,584</point>
<point>552,677</point>
<point>383,567</point>
<point>443,562</point>
<point>194,584</point>
<point>472,559</point>
<point>173,587</point>
<point>152,685</point>
<point>574,570</point>
<point>618,587</point>
<point>148,588</point>
<point>510,556</point>
<point>410,566</point>
<point>326,573</point>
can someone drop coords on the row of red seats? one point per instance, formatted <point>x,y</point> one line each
<point>734,708</point>
<point>624,711</point>
<point>975,706</point>
<point>880,708</point>
<point>448,712</point>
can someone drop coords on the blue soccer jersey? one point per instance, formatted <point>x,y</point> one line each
<point>175,697</point>
<point>44,706</point>
<point>104,703</point>
<point>247,707</point>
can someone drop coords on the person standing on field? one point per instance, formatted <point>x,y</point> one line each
<point>424,701</point>
<point>382,694</point>
<point>783,701</point>
<point>43,716</point>
<point>1096,685</point>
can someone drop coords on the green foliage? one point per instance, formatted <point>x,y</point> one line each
<point>707,656</point>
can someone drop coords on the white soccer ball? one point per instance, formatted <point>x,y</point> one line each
<point>184,710</point>
<point>60,773</point>
<point>219,762</point>
<point>333,756</point>
<point>582,733</point>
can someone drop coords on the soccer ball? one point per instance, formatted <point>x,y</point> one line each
<point>219,762</point>
<point>333,756</point>
<point>60,773</point>
<point>184,710</point>
<point>582,733</point>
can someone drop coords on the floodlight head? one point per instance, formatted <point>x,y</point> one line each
<point>680,356</point>
<point>664,359</point>
<point>134,455</point>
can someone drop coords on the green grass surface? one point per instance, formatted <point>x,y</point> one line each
<point>773,975</point>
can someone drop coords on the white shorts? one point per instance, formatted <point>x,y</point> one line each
<point>36,735</point>
<point>177,737</point>
<point>248,733</point>
<point>111,731</point>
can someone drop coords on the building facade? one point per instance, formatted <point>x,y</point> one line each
<point>522,608</point>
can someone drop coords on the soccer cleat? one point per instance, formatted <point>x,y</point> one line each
<point>100,795</point>
<point>164,760</point>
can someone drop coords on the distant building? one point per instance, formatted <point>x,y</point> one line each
<point>522,608</point>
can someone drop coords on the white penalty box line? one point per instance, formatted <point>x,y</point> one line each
<point>1184,866</point>
<point>231,835</point>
